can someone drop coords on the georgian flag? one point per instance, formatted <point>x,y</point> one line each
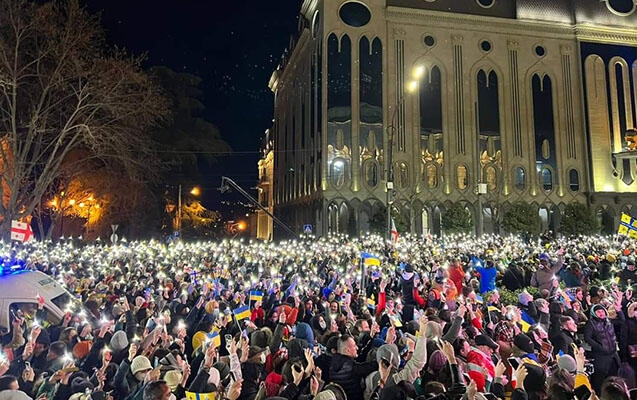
<point>394,232</point>
<point>21,231</point>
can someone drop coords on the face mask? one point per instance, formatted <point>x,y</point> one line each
<point>262,358</point>
<point>172,397</point>
<point>510,315</point>
<point>322,324</point>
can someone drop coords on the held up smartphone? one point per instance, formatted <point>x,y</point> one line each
<point>27,365</point>
<point>228,341</point>
<point>514,362</point>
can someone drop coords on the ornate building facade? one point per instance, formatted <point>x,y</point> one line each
<point>478,102</point>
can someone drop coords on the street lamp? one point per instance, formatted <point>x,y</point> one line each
<point>412,87</point>
<point>195,191</point>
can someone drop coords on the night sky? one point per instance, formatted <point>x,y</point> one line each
<point>234,46</point>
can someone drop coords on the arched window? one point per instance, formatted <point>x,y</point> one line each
<point>520,178</point>
<point>403,175</point>
<point>339,170</point>
<point>547,179</point>
<point>573,180</point>
<point>462,177</point>
<point>371,173</point>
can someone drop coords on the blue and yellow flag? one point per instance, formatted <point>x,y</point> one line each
<point>370,259</point>
<point>627,226</point>
<point>256,295</point>
<point>371,303</point>
<point>214,337</point>
<point>241,313</point>
<point>201,396</point>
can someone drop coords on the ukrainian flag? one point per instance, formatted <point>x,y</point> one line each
<point>256,295</point>
<point>370,259</point>
<point>627,226</point>
<point>200,396</point>
<point>241,313</point>
<point>214,337</point>
<point>370,302</point>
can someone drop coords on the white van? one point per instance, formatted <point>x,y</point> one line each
<point>19,291</point>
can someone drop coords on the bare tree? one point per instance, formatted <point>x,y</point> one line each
<point>66,103</point>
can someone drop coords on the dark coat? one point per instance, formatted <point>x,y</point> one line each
<point>349,374</point>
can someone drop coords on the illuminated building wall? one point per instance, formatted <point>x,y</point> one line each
<point>513,94</point>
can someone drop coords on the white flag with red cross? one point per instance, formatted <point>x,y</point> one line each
<point>21,231</point>
<point>394,232</point>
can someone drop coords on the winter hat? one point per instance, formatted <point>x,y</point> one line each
<point>484,340</point>
<point>260,337</point>
<point>13,395</point>
<point>119,341</point>
<point>79,384</point>
<point>172,378</point>
<point>43,338</point>
<point>304,331</point>
<point>388,352</point>
<point>596,307</point>
<point>568,363</point>
<point>139,364</point>
<point>437,361</point>
<point>81,349</point>
<point>524,343</point>
<point>198,339</point>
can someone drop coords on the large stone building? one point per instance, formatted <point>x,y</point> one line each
<point>482,102</point>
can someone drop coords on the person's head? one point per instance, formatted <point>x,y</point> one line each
<point>347,346</point>
<point>389,305</point>
<point>614,388</point>
<point>333,307</point>
<point>362,325</point>
<point>560,385</point>
<point>598,311</point>
<point>512,313</point>
<point>8,382</point>
<point>486,345</point>
<point>579,294</point>
<point>140,367</point>
<point>309,305</point>
<point>157,390</point>
<point>461,346</point>
<point>56,350</point>
<point>433,330</point>
<point>494,298</point>
<point>568,324</point>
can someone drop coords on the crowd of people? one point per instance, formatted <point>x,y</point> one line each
<point>327,318</point>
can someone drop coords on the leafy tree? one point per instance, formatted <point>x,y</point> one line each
<point>521,217</point>
<point>457,219</point>
<point>578,219</point>
<point>185,140</point>
<point>66,103</point>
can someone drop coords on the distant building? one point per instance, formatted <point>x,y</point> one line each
<point>526,100</point>
<point>264,224</point>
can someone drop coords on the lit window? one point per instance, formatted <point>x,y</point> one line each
<point>520,178</point>
<point>547,180</point>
